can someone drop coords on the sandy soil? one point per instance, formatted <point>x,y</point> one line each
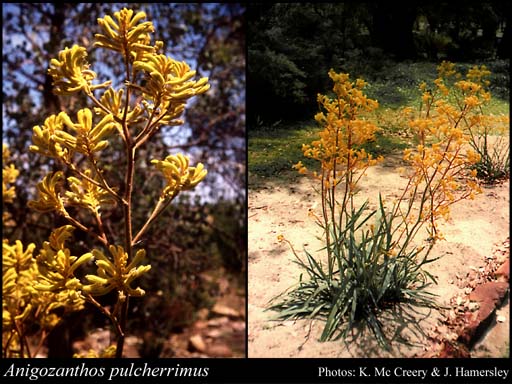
<point>475,229</point>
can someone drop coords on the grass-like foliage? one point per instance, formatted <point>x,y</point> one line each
<point>490,139</point>
<point>366,279</point>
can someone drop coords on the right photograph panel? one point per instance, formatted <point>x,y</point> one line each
<point>378,196</point>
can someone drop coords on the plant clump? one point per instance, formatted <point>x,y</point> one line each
<point>375,258</point>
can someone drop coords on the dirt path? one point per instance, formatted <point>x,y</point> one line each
<point>475,229</point>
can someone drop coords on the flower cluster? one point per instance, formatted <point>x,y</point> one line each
<point>37,290</point>
<point>56,267</point>
<point>18,274</point>
<point>169,86</point>
<point>441,172</point>
<point>117,273</point>
<point>71,73</point>
<point>487,133</point>
<point>87,193</point>
<point>9,175</point>
<point>61,138</point>
<point>154,93</point>
<point>339,148</point>
<point>178,174</point>
<point>126,34</point>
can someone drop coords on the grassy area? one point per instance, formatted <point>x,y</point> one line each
<point>497,107</point>
<point>273,151</point>
<point>274,148</point>
<point>398,86</point>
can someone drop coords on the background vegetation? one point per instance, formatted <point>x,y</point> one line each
<point>203,234</point>
<point>393,46</point>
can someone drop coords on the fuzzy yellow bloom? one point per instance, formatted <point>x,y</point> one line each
<point>18,275</point>
<point>473,157</point>
<point>9,176</point>
<point>71,73</point>
<point>84,193</point>
<point>114,103</point>
<point>170,85</point>
<point>116,274</point>
<point>300,167</point>
<point>178,174</point>
<point>126,34</point>
<point>56,268</point>
<point>43,138</point>
<point>49,196</point>
<point>426,97</point>
<point>471,101</point>
<point>468,86</point>
<point>85,137</point>
<point>486,96</point>
<point>446,69</point>
<point>477,74</point>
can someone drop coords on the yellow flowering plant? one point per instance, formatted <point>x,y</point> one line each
<point>9,176</point>
<point>29,314</point>
<point>374,256</point>
<point>339,152</point>
<point>153,93</point>
<point>441,170</point>
<point>488,134</point>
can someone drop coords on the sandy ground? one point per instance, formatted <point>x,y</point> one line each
<point>475,229</point>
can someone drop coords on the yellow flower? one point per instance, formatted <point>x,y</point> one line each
<point>117,273</point>
<point>125,34</point>
<point>43,138</point>
<point>179,175</point>
<point>89,138</point>
<point>57,269</point>
<point>169,86</point>
<point>114,103</point>
<point>471,101</point>
<point>87,194</point>
<point>300,167</point>
<point>71,72</point>
<point>360,83</point>
<point>49,197</point>
<point>476,74</point>
<point>18,274</point>
<point>53,141</point>
<point>472,156</point>
<point>446,69</point>
<point>9,176</point>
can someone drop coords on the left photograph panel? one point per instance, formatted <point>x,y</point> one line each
<point>123,172</point>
